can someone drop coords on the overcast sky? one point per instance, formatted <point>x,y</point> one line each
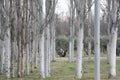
<point>62,7</point>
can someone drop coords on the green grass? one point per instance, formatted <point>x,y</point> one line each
<point>66,71</point>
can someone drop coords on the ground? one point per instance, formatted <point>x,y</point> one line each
<point>63,70</point>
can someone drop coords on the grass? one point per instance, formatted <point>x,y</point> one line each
<point>66,71</point>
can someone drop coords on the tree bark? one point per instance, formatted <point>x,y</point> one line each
<point>97,40</point>
<point>113,42</point>
<point>71,38</point>
<point>42,55</point>
<point>80,8</point>
<point>7,52</point>
<point>89,29</point>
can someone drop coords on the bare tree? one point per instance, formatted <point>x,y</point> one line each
<point>80,8</point>
<point>2,57</point>
<point>113,39</point>
<point>97,40</point>
<point>71,39</point>
<point>89,3</point>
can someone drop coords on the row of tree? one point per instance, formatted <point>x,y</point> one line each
<point>27,37</point>
<point>83,9</point>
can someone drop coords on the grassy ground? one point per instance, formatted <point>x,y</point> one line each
<point>63,70</point>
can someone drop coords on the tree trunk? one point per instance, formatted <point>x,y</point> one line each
<point>1,40</point>
<point>12,38</point>
<point>113,41</point>
<point>47,52</point>
<point>79,53</point>
<point>97,40</point>
<point>80,27</point>
<point>42,55</point>
<point>52,44</point>
<point>7,40</point>
<point>71,39</point>
<point>89,29</point>
<point>112,62</point>
<point>31,35</point>
<point>109,34</point>
<point>7,52</point>
<point>1,56</point>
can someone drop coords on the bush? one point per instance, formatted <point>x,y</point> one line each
<point>62,43</point>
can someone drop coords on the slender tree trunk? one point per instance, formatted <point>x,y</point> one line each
<point>35,39</point>
<point>79,53</point>
<point>109,34</point>
<point>7,40</point>
<point>113,28</point>
<point>1,40</point>
<point>80,27</point>
<point>1,56</point>
<point>47,52</point>
<point>31,35</point>
<point>52,44</point>
<point>89,29</point>
<point>12,38</point>
<point>42,55</point>
<point>7,52</point>
<point>27,39</point>
<point>27,60</point>
<point>97,40</point>
<point>71,40</point>
<point>112,62</point>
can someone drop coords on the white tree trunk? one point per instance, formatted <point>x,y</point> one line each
<point>1,41</point>
<point>79,53</point>
<point>52,44</point>
<point>80,7</point>
<point>27,60</point>
<point>89,29</point>
<point>113,41</point>
<point>71,42</point>
<point>12,59</point>
<point>47,52</point>
<point>7,53</point>
<point>97,40</point>
<point>71,39</point>
<point>35,48</point>
<point>112,62</point>
<point>109,34</point>
<point>1,56</point>
<point>42,55</point>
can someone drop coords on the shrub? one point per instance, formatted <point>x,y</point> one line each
<point>62,43</point>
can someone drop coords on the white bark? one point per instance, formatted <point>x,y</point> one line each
<point>112,55</point>
<point>80,6</point>
<point>7,53</point>
<point>71,39</point>
<point>27,60</point>
<point>89,29</point>
<point>42,55</point>
<point>7,40</point>
<point>52,44</point>
<point>109,34</point>
<point>113,42</point>
<point>1,41</point>
<point>35,48</point>
<point>97,40</point>
<point>47,52</point>
<point>1,56</point>
<point>79,53</point>
<point>12,59</point>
